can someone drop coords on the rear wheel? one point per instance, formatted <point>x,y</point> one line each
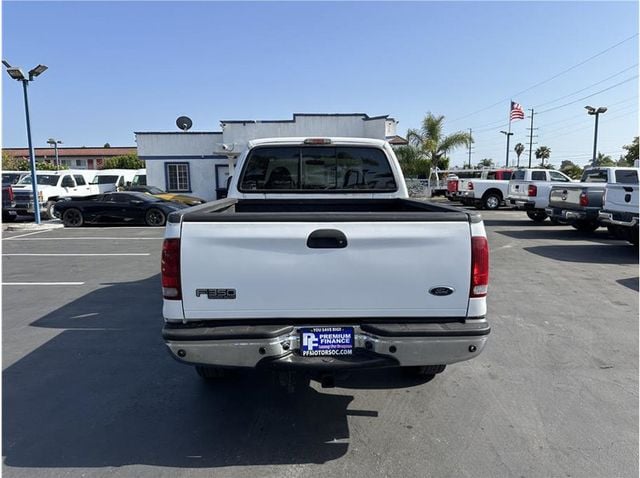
<point>585,226</point>
<point>155,217</point>
<point>554,221</point>
<point>492,201</point>
<point>49,209</point>
<point>72,218</point>
<point>537,216</point>
<point>6,217</point>
<point>211,373</point>
<point>633,236</point>
<point>425,370</point>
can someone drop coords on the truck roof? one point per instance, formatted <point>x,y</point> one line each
<point>301,140</point>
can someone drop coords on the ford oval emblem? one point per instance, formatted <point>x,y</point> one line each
<point>441,290</point>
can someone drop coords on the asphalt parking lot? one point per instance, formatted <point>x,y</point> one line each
<point>89,390</point>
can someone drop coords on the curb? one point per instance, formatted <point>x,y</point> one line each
<point>34,227</point>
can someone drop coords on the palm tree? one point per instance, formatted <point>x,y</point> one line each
<point>519,149</point>
<point>433,143</point>
<point>543,152</point>
<point>485,163</point>
<point>412,161</point>
<point>603,160</point>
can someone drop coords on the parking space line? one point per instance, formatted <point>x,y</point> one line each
<point>43,283</point>
<point>80,254</point>
<point>27,234</point>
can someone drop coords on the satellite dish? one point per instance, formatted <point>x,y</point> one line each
<point>184,123</point>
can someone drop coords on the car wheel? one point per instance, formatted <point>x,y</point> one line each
<point>617,232</point>
<point>72,218</point>
<point>49,210</point>
<point>6,217</point>
<point>585,226</point>
<point>537,216</point>
<point>492,201</point>
<point>155,218</point>
<point>633,236</point>
<point>554,221</point>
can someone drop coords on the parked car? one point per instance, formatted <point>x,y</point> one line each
<point>8,214</point>
<point>52,187</point>
<point>159,193</point>
<point>579,204</point>
<point>107,180</point>
<point>12,177</point>
<point>318,261</point>
<point>489,191</point>
<point>529,190</point>
<point>116,208</point>
<point>620,210</point>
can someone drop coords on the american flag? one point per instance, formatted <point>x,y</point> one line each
<point>516,111</point>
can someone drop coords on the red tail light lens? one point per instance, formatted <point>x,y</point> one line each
<point>533,190</point>
<point>171,269</point>
<point>584,200</point>
<point>479,266</point>
<point>470,186</point>
<point>10,193</point>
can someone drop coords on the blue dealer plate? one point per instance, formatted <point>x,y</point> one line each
<point>326,341</point>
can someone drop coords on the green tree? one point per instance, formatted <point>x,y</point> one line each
<point>603,160</point>
<point>413,161</point>
<point>571,169</point>
<point>543,153</point>
<point>485,163</point>
<point>106,145</point>
<point>519,149</point>
<point>433,143</point>
<point>128,161</point>
<point>10,163</point>
<point>631,155</point>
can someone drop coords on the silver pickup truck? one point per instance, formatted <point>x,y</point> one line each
<point>620,210</point>
<point>318,261</point>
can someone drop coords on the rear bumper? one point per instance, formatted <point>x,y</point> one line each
<point>625,219</point>
<point>522,204</point>
<point>375,345</point>
<point>568,215</point>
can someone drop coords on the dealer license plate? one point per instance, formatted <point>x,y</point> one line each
<point>326,341</point>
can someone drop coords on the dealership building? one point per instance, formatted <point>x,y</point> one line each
<point>199,162</point>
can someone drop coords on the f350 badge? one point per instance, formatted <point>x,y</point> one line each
<point>217,293</point>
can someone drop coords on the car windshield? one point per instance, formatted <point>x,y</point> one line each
<point>101,179</point>
<point>11,178</point>
<point>43,179</point>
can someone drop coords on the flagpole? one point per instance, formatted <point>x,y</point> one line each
<point>508,134</point>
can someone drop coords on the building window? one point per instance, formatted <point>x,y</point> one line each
<point>177,176</point>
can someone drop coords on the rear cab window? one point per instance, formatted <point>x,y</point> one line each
<point>626,176</point>
<point>317,169</point>
<point>594,176</point>
<point>538,176</point>
<point>518,175</point>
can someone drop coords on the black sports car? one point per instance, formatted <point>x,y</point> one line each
<point>116,208</point>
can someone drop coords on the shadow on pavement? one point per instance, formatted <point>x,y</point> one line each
<point>563,233</point>
<point>591,253</point>
<point>518,223</point>
<point>631,283</point>
<point>104,392</point>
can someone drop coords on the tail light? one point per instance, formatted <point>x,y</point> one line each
<point>584,199</point>
<point>479,266</point>
<point>171,269</point>
<point>470,186</point>
<point>40,196</point>
<point>533,190</point>
<point>10,193</point>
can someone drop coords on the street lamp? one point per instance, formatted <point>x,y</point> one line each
<point>595,112</point>
<point>55,144</point>
<point>16,74</point>
<point>508,135</point>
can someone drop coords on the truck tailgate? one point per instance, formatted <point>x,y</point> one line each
<point>386,270</point>
<point>519,189</point>
<point>565,197</point>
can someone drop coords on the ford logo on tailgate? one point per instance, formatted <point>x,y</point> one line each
<point>441,290</point>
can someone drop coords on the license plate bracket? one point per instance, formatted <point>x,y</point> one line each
<point>326,341</point>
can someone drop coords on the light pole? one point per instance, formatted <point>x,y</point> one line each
<point>16,74</point>
<point>55,144</point>
<point>508,135</point>
<point>595,112</point>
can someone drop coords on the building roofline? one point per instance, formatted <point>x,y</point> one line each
<point>177,132</point>
<point>364,116</point>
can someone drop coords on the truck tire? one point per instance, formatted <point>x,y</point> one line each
<point>72,218</point>
<point>48,209</point>
<point>425,370</point>
<point>6,217</point>
<point>537,216</point>
<point>633,236</point>
<point>491,201</point>
<point>211,373</point>
<point>585,226</point>
<point>617,232</point>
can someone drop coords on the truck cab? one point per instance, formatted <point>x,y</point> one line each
<point>529,190</point>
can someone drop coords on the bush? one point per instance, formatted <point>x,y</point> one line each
<point>128,161</point>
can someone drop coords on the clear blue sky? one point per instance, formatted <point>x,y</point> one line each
<point>116,68</point>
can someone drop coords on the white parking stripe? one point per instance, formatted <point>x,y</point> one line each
<point>43,283</point>
<point>27,234</point>
<point>115,254</point>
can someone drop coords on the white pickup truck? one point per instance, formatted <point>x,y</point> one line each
<point>487,192</point>
<point>318,261</point>
<point>52,186</point>
<point>620,209</point>
<point>529,190</point>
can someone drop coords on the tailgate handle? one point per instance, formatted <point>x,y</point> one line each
<point>327,239</point>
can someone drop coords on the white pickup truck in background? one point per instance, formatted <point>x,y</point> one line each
<point>487,192</point>
<point>529,190</point>
<point>52,186</point>
<point>318,262</point>
<point>620,210</point>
